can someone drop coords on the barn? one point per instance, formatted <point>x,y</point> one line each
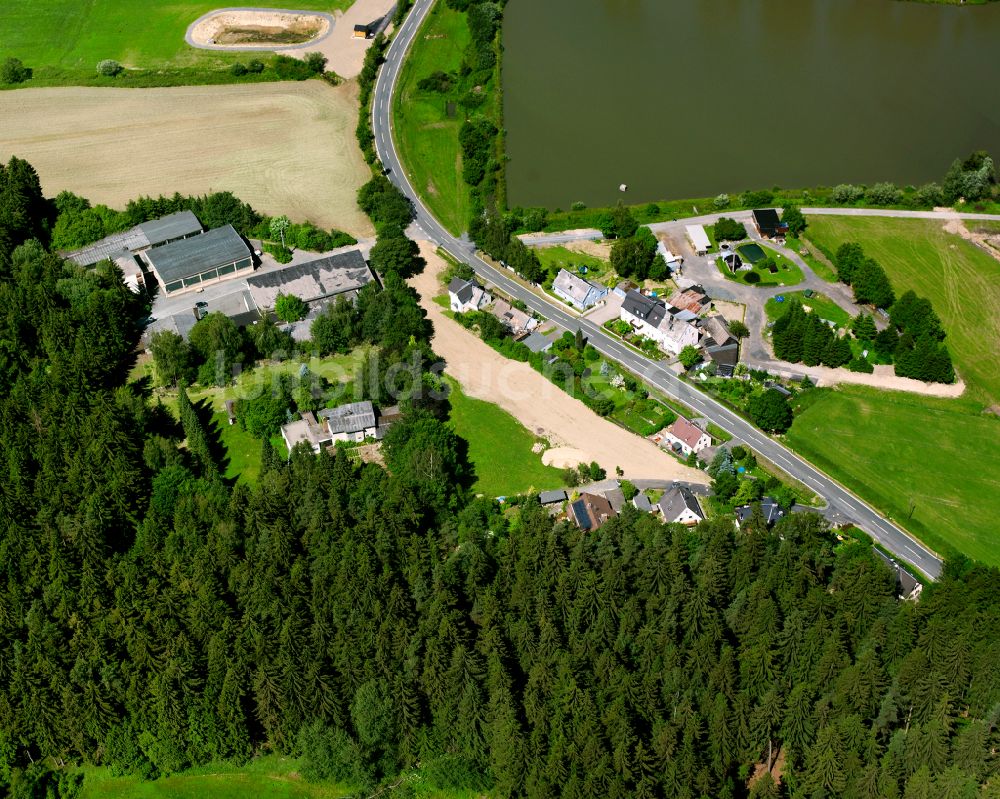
<point>191,262</point>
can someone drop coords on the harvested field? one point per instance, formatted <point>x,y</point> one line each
<point>575,432</point>
<point>286,148</point>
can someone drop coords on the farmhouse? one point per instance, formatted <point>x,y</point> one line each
<point>467,295</point>
<point>699,238</point>
<point>670,328</point>
<point>590,511</point>
<point>192,262</point>
<point>579,293</point>
<point>142,237</point>
<point>769,508</point>
<point>769,224</point>
<point>316,282</point>
<point>354,421</point>
<point>679,506</point>
<point>685,437</point>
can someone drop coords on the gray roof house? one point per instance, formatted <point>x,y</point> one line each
<point>769,507</point>
<point>315,281</point>
<point>679,505</point>
<point>467,295</point>
<point>161,231</point>
<point>579,293</point>
<point>641,501</point>
<point>354,421</point>
<point>208,258</point>
<point>351,420</point>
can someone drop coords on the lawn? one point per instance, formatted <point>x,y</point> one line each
<point>426,135</point>
<point>816,261</point>
<point>70,35</point>
<point>242,449</point>
<point>556,258</point>
<point>818,303</point>
<point>961,281</point>
<point>894,449</point>
<point>499,448</point>
<point>788,273</point>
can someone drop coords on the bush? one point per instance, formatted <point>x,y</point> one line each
<point>884,194</point>
<point>282,255</point>
<point>289,308</point>
<point>13,70</point>
<point>578,206</point>
<point>847,194</point>
<point>109,68</point>
<point>239,70</point>
<point>721,201</point>
<point>860,365</point>
<point>751,277</point>
<point>316,63</point>
<point>255,66</point>
<point>727,229</point>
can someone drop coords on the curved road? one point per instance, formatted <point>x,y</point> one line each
<point>843,506</point>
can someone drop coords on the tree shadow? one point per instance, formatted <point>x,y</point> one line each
<point>213,432</point>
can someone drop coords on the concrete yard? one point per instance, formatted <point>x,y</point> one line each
<point>286,148</point>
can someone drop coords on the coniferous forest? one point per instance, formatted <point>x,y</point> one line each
<point>154,616</point>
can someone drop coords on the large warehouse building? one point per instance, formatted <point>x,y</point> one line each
<point>218,254</point>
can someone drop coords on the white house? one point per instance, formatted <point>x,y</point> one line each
<point>684,437</point>
<point>699,238</point>
<point>579,293</point>
<point>467,295</point>
<point>678,505</point>
<point>653,319</point>
<point>354,421</point>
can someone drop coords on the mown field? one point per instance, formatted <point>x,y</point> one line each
<point>894,449</point>
<point>962,282</point>
<point>286,148</point>
<point>427,137</point>
<point>499,448</point>
<point>71,35</point>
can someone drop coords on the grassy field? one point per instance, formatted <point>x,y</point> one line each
<point>499,448</point>
<point>426,135</point>
<point>286,148</point>
<point>556,258</point>
<point>961,281</point>
<point>895,448</point>
<point>819,303</point>
<point>71,35</point>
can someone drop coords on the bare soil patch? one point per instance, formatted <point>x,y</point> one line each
<point>238,28</point>
<point>575,432</point>
<point>286,148</point>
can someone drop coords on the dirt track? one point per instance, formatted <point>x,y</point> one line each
<point>576,432</point>
<point>286,148</point>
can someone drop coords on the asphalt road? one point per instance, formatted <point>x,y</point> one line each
<point>843,506</point>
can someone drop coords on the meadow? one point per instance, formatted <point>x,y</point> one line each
<point>67,36</point>
<point>897,450</point>
<point>425,133</point>
<point>961,281</point>
<point>499,448</point>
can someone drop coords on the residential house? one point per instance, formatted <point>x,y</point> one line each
<point>907,585</point>
<point>679,506</point>
<point>699,238</point>
<point>651,318</point>
<point>720,345</point>
<point>467,295</point>
<point>769,224</point>
<point>616,497</point>
<point>552,498</point>
<point>686,437</point>
<point>516,320</point>
<point>354,421</point>
<point>579,293</point>
<point>694,299</point>
<point>590,511</point>
<point>769,508</point>
<point>537,342</point>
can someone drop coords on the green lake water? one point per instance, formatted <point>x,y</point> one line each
<point>689,98</point>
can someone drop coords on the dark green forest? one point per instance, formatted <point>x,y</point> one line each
<point>155,616</point>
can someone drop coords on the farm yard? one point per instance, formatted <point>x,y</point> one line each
<point>286,148</point>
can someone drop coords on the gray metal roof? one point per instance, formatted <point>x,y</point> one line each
<point>167,228</point>
<point>641,501</point>
<point>551,497</point>
<point>576,287</point>
<point>646,308</point>
<point>190,257</point>
<point>109,247</point>
<point>768,506</point>
<point>354,417</point>
<point>537,342</point>
<point>313,280</point>
<point>462,289</point>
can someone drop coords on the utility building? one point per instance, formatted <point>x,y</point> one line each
<point>192,262</point>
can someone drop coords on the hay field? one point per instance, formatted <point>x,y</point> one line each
<point>283,147</point>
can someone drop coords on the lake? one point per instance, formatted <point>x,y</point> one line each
<point>689,98</point>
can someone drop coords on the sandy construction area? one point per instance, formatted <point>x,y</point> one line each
<point>345,55</point>
<point>286,148</point>
<point>238,28</point>
<point>575,432</point>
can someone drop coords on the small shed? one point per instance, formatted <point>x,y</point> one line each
<point>361,31</point>
<point>699,238</point>
<point>552,497</point>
